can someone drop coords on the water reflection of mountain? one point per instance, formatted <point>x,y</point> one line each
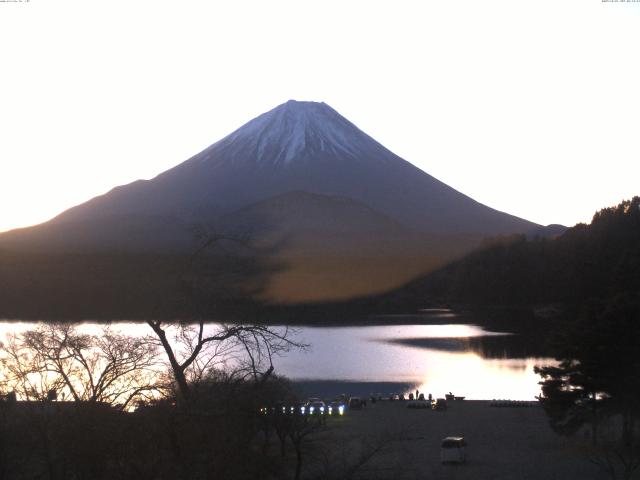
<point>487,346</point>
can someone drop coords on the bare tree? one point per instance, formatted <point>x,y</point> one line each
<point>194,351</point>
<point>23,374</point>
<point>57,359</point>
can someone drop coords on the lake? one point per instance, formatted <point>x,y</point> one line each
<point>437,359</point>
<point>461,358</point>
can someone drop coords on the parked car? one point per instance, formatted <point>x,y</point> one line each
<point>297,408</point>
<point>315,407</point>
<point>336,408</point>
<point>453,450</point>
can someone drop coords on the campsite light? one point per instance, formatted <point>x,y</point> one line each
<point>311,409</point>
<point>330,410</point>
<point>302,410</point>
<point>341,409</point>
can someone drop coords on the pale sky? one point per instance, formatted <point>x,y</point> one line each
<point>531,107</point>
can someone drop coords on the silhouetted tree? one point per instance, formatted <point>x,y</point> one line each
<point>57,359</point>
<point>194,349</point>
<point>597,381</point>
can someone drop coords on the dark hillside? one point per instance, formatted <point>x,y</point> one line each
<point>594,261</point>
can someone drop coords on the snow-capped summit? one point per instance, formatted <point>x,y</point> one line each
<point>294,131</point>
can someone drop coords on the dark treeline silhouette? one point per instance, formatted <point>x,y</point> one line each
<point>595,386</point>
<point>220,434</point>
<point>592,261</point>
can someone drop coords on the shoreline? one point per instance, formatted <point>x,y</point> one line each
<point>327,389</point>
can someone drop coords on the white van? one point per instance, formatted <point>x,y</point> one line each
<point>453,450</point>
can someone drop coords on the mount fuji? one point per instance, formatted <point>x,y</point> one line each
<point>356,218</point>
<point>300,146</point>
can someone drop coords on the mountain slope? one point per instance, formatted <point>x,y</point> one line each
<point>335,247</point>
<point>300,146</point>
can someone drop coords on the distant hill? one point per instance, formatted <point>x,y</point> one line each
<point>586,263</point>
<point>336,247</point>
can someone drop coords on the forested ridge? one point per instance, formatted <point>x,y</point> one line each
<point>588,262</point>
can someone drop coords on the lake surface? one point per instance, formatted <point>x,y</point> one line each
<point>464,359</point>
<point>437,359</point>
